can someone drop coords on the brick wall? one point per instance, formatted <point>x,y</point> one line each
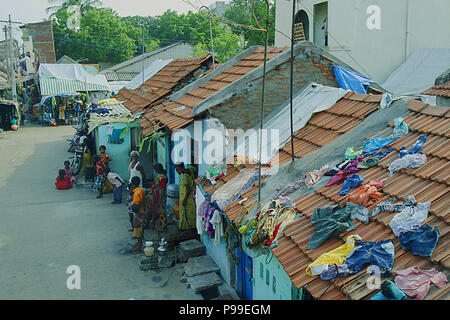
<point>242,110</point>
<point>42,34</point>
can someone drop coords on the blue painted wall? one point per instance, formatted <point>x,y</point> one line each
<point>270,280</point>
<point>120,153</point>
<point>220,256</point>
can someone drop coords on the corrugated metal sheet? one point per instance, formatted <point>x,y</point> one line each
<point>52,86</point>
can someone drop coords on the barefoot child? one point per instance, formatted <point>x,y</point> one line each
<point>100,176</point>
<point>137,206</point>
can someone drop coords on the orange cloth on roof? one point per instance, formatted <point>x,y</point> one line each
<point>365,195</point>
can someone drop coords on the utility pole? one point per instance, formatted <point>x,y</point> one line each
<point>7,52</point>
<point>143,57</point>
<point>12,63</point>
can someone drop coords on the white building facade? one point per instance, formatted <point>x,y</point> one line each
<point>372,36</point>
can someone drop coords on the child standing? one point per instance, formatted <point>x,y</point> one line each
<point>100,176</point>
<point>104,157</point>
<point>137,206</point>
<point>118,184</point>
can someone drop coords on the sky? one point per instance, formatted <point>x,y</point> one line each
<point>27,11</point>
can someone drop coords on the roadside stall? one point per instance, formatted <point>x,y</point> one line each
<point>9,115</point>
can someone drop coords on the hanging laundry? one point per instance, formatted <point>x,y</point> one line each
<point>397,207</point>
<point>416,148</point>
<point>389,291</point>
<point>313,176</point>
<point>366,195</point>
<point>351,154</point>
<point>365,253</point>
<point>329,221</point>
<point>416,282</point>
<point>421,241</point>
<point>408,161</point>
<point>201,203</point>
<point>352,182</point>
<point>217,223</point>
<point>377,143</point>
<point>409,218</point>
<point>335,256</point>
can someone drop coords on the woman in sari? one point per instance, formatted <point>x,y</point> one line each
<point>159,193</point>
<point>187,208</point>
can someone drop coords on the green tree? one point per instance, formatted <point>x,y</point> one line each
<point>102,36</point>
<point>240,11</point>
<point>226,45</point>
<point>85,5</point>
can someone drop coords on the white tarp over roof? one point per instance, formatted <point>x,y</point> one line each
<point>418,72</point>
<point>71,72</point>
<point>314,98</point>
<point>149,72</point>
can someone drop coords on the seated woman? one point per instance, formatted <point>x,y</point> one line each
<point>63,181</point>
<point>47,118</point>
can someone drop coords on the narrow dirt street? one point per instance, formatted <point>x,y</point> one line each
<point>43,231</point>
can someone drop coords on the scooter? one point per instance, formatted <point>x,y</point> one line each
<point>79,149</point>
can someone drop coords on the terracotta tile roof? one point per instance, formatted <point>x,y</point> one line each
<point>327,125</point>
<point>427,183</point>
<point>323,128</point>
<point>175,115</point>
<point>161,84</point>
<point>442,90</point>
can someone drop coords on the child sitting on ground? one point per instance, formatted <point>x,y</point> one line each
<point>69,171</point>
<point>118,184</point>
<point>63,181</point>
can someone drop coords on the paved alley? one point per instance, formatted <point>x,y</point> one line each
<point>43,231</point>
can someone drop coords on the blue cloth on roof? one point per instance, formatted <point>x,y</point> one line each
<point>389,291</point>
<point>348,79</point>
<point>421,241</point>
<point>351,182</point>
<point>416,148</point>
<point>380,154</point>
<point>400,128</point>
<point>377,143</point>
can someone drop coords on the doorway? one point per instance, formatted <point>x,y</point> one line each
<point>321,24</point>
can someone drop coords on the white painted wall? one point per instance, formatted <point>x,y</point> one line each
<point>374,52</point>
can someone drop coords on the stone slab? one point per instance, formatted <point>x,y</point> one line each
<point>200,265</point>
<point>204,281</point>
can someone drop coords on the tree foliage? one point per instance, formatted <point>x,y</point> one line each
<point>104,36</point>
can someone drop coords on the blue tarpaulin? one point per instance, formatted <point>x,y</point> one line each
<point>348,79</point>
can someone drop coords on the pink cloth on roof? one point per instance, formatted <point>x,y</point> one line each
<point>415,282</point>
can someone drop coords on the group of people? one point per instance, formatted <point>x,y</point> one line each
<point>143,209</point>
